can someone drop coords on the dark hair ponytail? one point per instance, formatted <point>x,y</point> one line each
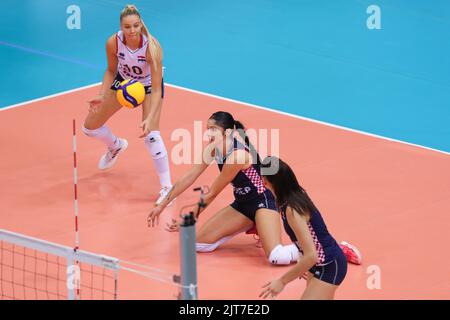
<point>226,121</point>
<point>287,189</point>
<point>241,130</point>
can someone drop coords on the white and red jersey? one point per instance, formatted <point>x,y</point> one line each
<point>133,63</point>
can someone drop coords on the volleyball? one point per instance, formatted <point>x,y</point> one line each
<point>131,93</point>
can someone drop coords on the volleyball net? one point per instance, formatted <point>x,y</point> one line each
<point>36,269</point>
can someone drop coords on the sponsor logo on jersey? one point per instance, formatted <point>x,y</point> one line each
<point>242,191</point>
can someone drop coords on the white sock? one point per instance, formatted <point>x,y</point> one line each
<point>209,247</point>
<point>155,145</point>
<point>104,135</point>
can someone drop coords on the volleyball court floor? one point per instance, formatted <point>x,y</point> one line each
<point>390,199</point>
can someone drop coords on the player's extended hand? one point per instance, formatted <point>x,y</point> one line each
<point>145,126</point>
<point>174,226</point>
<point>153,217</point>
<point>95,102</point>
<point>272,289</point>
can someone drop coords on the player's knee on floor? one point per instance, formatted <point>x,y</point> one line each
<point>283,255</point>
<point>155,145</point>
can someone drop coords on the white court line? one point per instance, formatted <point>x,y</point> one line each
<point>309,119</point>
<point>245,104</point>
<point>48,97</point>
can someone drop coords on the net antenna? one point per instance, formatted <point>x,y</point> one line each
<point>75,269</point>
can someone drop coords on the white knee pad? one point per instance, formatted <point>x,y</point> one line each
<point>283,255</point>
<point>295,253</point>
<point>155,145</point>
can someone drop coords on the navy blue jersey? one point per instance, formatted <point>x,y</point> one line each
<point>247,184</point>
<point>326,246</point>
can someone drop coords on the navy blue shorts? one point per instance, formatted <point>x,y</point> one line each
<point>148,89</point>
<point>333,272</point>
<point>249,207</point>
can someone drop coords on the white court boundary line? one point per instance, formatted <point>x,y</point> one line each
<point>49,97</point>
<point>245,104</point>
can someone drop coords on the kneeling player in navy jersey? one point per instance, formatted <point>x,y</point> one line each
<point>323,261</point>
<point>253,203</point>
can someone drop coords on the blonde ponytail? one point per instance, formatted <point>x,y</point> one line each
<point>153,45</point>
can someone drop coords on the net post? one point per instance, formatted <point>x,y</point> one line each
<point>188,258</point>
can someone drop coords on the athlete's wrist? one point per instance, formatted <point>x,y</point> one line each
<point>162,205</point>
<point>284,282</point>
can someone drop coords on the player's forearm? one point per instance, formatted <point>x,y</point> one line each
<point>155,99</point>
<point>108,79</point>
<point>178,188</point>
<point>304,264</point>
